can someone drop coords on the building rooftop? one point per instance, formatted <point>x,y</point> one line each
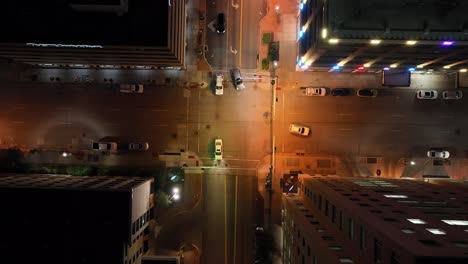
<point>48,21</point>
<point>425,219</point>
<point>370,35</point>
<point>101,183</point>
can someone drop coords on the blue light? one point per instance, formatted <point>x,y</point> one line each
<point>336,67</point>
<point>411,69</point>
<point>386,69</point>
<point>301,6</point>
<point>300,34</point>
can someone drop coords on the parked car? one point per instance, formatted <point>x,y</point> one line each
<point>141,146</point>
<point>341,91</point>
<point>299,130</point>
<point>219,90</point>
<point>426,94</point>
<point>454,94</point>
<point>367,92</point>
<point>105,146</point>
<point>315,91</point>
<point>131,88</point>
<point>438,154</point>
<point>237,78</point>
<point>218,149</point>
<point>221,23</point>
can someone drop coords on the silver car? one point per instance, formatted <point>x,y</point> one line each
<point>237,78</point>
<point>426,94</point>
<point>454,94</point>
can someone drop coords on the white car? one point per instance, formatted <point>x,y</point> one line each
<point>456,94</point>
<point>219,84</point>
<point>299,130</point>
<point>315,91</point>
<point>438,154</point>
<point>142,146</point>
<point>426,94</point>
<point>218,149</point>
<point>131,88</point>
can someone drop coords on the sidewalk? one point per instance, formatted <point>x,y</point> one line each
<point>283,27</point>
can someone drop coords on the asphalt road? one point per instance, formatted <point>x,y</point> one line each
<point>237,47</point>
<point>228,226</point>
<point>394,124</point>
<point>60,116</point>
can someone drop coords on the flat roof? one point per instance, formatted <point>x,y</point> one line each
<point>101,183</point>
<point>422,19</point>
<point>57,22</point>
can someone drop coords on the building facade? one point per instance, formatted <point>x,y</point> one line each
<point>60,219</point>
<point>373,220</point>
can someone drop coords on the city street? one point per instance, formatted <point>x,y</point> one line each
<point>172,116</point>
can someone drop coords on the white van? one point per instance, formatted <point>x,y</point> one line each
<point>131,88</point>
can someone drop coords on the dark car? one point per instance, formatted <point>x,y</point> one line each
<point>341,91</point>
<point>220,23</point>
<point>367,92</point>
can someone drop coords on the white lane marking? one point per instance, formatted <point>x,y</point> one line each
<point>345,129</point>
<point>344,114</point>
<point>160,125</point>
<point>18,122</point>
